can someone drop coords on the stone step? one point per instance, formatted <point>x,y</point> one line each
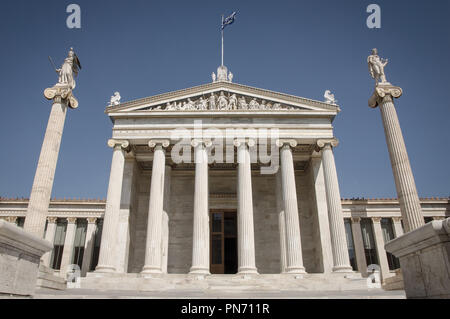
<point>223,283</point>
<point>48,280</point>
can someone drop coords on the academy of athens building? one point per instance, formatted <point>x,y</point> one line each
<point>174,207</point>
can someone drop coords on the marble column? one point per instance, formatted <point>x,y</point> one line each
<point>155,213</point>
<point>401,168</point>
<point>201,234</point>
<point>123,233</point>
<point>246,231</point>
<point>66,258</point>
<point>281,221</point>
<point>106,261</point>
<point>45,173</point>
<point>165,243</point>
<point>320,198</point>
<point>379,242</point>
<point>294,256</point>
<point>398,229</point>
<point>50,237</point>
<point>341,258</point>
<point>359,246</point>
<point>89,245</point>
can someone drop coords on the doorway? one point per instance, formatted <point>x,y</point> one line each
<point>224,257</point>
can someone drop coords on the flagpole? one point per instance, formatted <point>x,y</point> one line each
<point>222,38</point>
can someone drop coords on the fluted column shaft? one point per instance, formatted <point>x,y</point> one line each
<point>43,181</point>
<point>359,246</point>
<point>155,214</point>
<point>106,261</point>
<point>379,241</point>
<point>294,256</point>
<point>401,168</point>
<point>398,229</point>
<point>89,245</point>
<point>50,237</point>
<point>281,222</point>
<point>337,228</point>
<point>200,247</point>
<point>246,232</point>
<point>66,258</point>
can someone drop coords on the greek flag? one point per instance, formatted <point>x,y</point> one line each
<point>229,20</point>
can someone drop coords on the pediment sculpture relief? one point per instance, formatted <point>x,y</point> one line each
<point>222,101</point>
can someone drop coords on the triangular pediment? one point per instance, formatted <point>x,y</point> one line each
<point>222,96</point>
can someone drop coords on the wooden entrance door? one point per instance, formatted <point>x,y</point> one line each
<point>223,242</point>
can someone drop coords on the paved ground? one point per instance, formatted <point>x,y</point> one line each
<point>196,294</point>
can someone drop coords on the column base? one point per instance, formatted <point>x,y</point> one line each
<point>104,269</point>
<point>149,270</point>
<point>295,271</point>
<point>200,271</point>
<point>347,269</point>
<point>247,271</point>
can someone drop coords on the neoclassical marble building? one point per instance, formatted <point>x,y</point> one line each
<point>222,178</point>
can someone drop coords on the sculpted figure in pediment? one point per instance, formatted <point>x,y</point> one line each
<point>232,105</point>
<point>263,105</point>
<point>189,105</point>
<point>253,105</point>
<point>212,102</point>
<point>222,101</point>
<point>202,104</point>
<point>242,103</point>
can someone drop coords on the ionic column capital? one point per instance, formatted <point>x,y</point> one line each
<point>11,219</point>
<point>156,143</point>
<point>242,141</point>
<point>284,143</point>
<point>376,220</point>
<point>92,220</point>
<point>438,218</point>
<point>356,220</point>
<point>322,144</point>
<point>383,93</point>
<point>397,219</point>
<point>198,142</point>
<point>52,220</point>
<point>71,220</point>
<point>60,93</point>
<point>123,144</point>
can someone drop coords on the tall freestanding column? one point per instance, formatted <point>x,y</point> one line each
<point>155,213</point>
<point>294,256</point>
<point>200,247</point>
<point>246,231</point>
<point>61,95</point>
<point>337,228</point>
<point>106,261</point>
<point>43,181</point>
<point>384,96</point>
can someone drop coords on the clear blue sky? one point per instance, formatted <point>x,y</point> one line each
<point>143,48</point>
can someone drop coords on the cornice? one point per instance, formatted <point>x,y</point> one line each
<point>211,87</point>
